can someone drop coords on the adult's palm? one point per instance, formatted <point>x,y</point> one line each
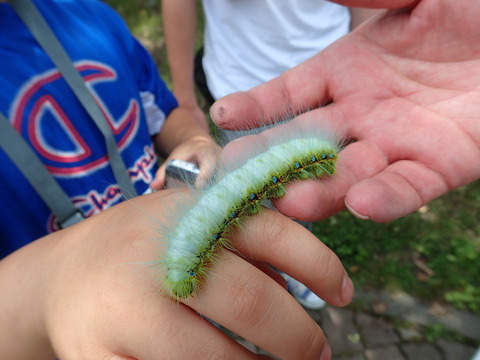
<point>406,87</point>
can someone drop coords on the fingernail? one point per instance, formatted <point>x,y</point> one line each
<point>347,289</point>
<point>355,213</point>
<point>326,353</point>
<point>217,112</point>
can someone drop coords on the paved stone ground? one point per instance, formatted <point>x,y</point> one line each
<point>383,326</point>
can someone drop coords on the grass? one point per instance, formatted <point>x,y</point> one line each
<point>433,254</point>
<point>432,333</point>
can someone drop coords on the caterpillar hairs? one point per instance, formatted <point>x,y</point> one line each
<point>297,150</point>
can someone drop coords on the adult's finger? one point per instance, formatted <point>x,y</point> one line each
<point>303,87</point>
<point>313,200</point>
<point>400,190</point>
<point>309,200</point>
<point>306,86</point>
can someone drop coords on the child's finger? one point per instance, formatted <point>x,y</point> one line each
<point>242,298</point>
<point>288,246</point>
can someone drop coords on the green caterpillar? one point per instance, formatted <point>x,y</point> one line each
<point>304,154</point>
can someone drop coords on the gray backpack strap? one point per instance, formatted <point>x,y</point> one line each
<point>22,155</point>
<point>32,18</point>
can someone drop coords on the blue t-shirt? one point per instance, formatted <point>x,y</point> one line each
<point>34,97</point>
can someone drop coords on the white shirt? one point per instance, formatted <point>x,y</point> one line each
<point>248,42</point>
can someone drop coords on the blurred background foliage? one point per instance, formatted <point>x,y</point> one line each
<point>433,254</point>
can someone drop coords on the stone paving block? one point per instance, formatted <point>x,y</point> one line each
<point>456,351</point>
<point>404,306</point>
<point>409,334</point>
<point>340,330</point>
<point>386,353</point>
<point>421,351</point>
<point>375,331</point>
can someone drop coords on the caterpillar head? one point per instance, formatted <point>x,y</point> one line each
<point>182,283</point>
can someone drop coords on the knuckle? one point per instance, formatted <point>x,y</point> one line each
<point>251,301</point>
<point>275,229</point>
<point>327,264</point>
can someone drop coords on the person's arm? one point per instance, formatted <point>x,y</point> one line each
<point>408,104</point>
<point>93,291</point>
<point>180,29</point>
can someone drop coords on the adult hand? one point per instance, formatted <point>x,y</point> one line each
<point>92,291</point>
<point>405,87</point>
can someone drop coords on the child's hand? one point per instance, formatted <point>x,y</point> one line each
<point>201,150</point>
<point>95,291</point>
